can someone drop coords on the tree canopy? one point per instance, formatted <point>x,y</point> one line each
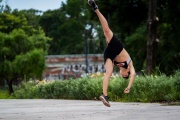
<point>75,23</point>
<point>22,48</point>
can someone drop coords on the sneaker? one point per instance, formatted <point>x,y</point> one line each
<point>92,4</point>
<point>104,99</point>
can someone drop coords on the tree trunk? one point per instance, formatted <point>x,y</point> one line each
<point>152,40</point>
<point>9,82</point>
<point>2,83</point>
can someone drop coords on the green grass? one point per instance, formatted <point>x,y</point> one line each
<point>4,94</point>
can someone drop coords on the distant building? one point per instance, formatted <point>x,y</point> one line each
<point>72,66</point>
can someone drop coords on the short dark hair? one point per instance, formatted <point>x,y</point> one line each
<point>127,76</point>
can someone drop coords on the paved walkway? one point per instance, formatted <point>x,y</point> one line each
<point>84,110</point>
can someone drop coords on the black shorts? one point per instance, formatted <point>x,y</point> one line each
<point>113,49</point>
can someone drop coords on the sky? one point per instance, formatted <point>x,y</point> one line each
<point>42,5</point>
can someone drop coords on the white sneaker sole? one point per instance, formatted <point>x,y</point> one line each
<point>104,101</point>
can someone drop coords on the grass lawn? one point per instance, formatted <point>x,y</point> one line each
<point>4,94</point>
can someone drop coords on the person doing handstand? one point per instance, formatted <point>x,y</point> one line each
<point>114,54</point>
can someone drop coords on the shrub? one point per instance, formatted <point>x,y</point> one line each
<point>144,89</point>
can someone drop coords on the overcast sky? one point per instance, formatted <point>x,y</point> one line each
<point>36,4</point>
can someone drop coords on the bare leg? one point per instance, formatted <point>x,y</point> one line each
<point>109,70</point>
<point>107,32</point>
<point>108,65</point>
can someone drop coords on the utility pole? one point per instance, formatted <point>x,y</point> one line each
<point>86,51</point>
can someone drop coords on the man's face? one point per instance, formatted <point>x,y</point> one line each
<point>124,72</point>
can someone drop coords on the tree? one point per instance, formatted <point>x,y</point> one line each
<point>50,22</point>
<point>22,49</point>
<point>66,26</point>
<point>32,16</point>
<point>124,16</point>
<point>136,44</point>
<point>22,56</point>
<point>10,22</point>
<point>1,7</point>
<point>169,34</point>
<point>152,40</point>
<point>7,9</point>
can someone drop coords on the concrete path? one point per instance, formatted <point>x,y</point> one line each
<point>84,110</point>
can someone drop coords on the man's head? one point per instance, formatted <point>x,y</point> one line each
<point>125,73</point>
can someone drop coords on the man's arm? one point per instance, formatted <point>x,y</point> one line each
<point>132,77</point>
